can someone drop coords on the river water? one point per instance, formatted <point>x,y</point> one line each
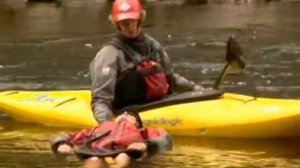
<point>48,46</point>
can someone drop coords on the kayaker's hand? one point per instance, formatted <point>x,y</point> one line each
<point>198,87</point>
<point>65,149</point>
<point>122,160</point>
<point>138,146</point>
<point>93,162</point>
<point>126,116</point>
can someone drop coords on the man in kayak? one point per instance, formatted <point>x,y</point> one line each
<point>132,68</point>
<point>115,143</point>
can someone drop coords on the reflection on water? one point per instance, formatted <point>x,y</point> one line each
<point>48,45</point>
<point>24,145</point>
<point>235,153</point>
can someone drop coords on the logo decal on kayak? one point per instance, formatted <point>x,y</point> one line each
<point>44,98</point>
<point>163,121</point>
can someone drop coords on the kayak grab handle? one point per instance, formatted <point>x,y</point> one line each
<point>65,101</point>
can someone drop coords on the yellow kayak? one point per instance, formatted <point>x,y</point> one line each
<point>198,113</point>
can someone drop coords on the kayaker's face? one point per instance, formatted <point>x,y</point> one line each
<point>129,28</point>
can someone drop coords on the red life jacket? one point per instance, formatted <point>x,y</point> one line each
<point>155,79</point>
<point>146,82</point>
<point>111,135</point>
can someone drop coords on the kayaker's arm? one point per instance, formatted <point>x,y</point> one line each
<point>103,71</point>
<point>177,82</point>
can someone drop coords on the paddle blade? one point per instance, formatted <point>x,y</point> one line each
<point>234,61</point>
<point>234,54</point>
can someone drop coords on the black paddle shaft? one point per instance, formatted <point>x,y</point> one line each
<point>96,137</point>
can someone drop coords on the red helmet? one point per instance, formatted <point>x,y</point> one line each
<point>126,9</point>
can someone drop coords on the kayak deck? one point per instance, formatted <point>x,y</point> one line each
<point>225,115</point>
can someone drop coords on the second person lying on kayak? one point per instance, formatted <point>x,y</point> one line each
<point>114,142</point>
<point>132,68</point>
